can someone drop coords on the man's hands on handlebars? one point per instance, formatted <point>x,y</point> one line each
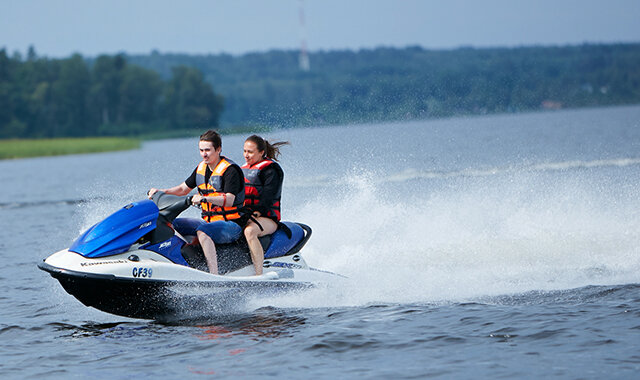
<point>196,199</point>
<point>152,191</point>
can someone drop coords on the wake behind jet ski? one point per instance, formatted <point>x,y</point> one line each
<point>142,262</point>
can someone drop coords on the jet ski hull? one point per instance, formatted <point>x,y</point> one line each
<point>163,299</point>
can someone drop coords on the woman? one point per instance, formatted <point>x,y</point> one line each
<point>263,178</point>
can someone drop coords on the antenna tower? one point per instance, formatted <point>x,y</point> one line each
<point>303,59</point>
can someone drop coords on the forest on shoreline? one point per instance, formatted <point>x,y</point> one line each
<point>130,95</point>
<point>105,96</point>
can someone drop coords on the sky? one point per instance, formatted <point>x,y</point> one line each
<point>59,28</point>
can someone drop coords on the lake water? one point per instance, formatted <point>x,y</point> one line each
<point>495,246</point>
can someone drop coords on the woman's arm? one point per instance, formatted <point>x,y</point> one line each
<point>272,178</point>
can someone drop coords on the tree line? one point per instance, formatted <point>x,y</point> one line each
<point>105,96</point>
<point>413,82</point>
<point>132,94</point>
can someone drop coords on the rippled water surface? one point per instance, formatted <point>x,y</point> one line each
<point>499,246</point>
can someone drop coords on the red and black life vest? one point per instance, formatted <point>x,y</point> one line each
<point>211,212</point>
<point>253,187</point>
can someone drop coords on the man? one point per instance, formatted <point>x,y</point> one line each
<point>220,185</point>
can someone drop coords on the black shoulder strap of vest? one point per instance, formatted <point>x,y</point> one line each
<point>251,218</point>
<point>286,229</point>
<point>207,174</point>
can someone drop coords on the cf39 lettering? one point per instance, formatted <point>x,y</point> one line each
<point>142,272</point>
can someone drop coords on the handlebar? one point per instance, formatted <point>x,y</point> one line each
<point>170,206</point>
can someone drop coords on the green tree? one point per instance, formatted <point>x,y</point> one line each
<point>140,95</point>
<point>69,95</point>
<point>190,102</point>
<point>107,76</point>
<point>7,117</point>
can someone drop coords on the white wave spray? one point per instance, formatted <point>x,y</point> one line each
<point>515,233</point>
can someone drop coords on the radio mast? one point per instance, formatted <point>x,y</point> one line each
<point>303,59</point>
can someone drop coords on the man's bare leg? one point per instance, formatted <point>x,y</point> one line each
<point>209,249</point>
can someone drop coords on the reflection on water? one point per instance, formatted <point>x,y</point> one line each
<point>265,323</point>
<point>86,330</point>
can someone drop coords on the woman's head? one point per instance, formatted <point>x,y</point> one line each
<point>256,149</point>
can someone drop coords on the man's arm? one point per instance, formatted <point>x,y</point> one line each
<point>225,200</point>
<point>181,189</point>
<point>233,184</point>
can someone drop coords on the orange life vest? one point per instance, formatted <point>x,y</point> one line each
<point>211,212</point>
<point>253,187</point>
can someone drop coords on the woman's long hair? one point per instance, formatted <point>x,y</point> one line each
<point>271,150</point>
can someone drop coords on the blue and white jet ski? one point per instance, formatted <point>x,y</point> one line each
<point>142,262</point>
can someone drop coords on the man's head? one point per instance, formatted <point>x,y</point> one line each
<point>213,137</point>
<point>210,146</point>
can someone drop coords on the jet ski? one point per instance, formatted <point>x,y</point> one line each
<point>144,262</point>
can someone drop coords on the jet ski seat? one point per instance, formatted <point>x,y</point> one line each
<point>187,228</point>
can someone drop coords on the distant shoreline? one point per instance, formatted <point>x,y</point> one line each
<point>29,148</point>
<point>26,148</point>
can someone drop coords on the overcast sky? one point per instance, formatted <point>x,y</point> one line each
<point>58,28</point>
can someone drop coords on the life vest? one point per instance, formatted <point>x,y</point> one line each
<point>211,212</point>
<point>253,187</point>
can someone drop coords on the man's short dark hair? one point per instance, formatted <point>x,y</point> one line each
<point>213,137</point>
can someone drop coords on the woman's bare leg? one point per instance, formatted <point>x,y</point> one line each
<point>252,232</point>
